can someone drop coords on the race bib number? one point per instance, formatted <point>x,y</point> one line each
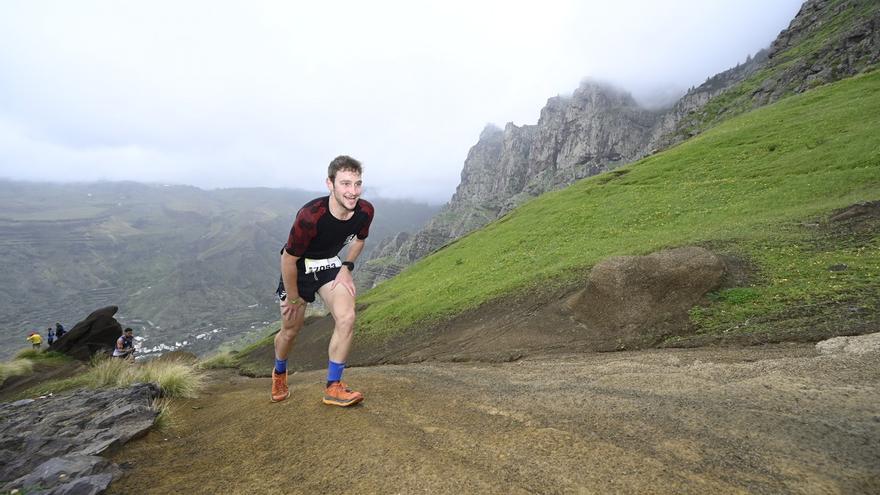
<point>313,266</point>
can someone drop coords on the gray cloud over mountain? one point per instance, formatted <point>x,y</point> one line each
<point>227,94</point>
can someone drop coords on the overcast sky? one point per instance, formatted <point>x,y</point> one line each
<point>266,93</point>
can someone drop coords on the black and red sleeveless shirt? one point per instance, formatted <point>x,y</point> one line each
<point>317,234</point>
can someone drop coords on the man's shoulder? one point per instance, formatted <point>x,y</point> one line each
<point>315,206</point>
<point>366,207</point>
<point>316,202</point>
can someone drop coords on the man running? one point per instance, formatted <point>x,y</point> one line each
<point>125,345</point>
<point>310,264</point>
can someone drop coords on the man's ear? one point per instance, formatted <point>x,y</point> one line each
<point>329,184</point>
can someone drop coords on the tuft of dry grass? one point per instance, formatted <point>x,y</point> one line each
<point>16,367</point>
<point>173,378</point>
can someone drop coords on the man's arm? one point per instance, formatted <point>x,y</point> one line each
<point>288,274</point>
<point>344,276</point>
<point>354,251</point>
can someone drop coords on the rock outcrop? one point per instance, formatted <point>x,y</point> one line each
<point>852,31</point>
<point>826,41</point>
<point>634,301</point>
<point>52,445</point>
<point>858,345</point>
<point>596,128</point>
<point>599,127</point>
<point>96,334</point>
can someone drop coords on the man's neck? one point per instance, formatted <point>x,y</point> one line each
<point>338,211</point>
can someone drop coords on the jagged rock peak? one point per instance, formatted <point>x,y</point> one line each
<point>594,92</point>
<point>602,92</point>
<point>491,130</point>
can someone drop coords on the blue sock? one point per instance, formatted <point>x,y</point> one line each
<point>280,366</point>
<point>334,371</point>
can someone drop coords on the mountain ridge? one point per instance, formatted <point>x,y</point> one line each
<point>600,128</point>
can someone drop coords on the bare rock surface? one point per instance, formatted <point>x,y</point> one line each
<point>50,445</point>
<point>858,345</point>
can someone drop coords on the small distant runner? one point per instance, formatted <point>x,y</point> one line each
<point>310,264</point>
<point>125,345</point>
<point>35,339</point>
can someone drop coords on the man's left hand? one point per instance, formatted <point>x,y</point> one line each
<point>345,279</point>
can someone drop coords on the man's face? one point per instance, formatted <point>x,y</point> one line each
<point>346,189</point>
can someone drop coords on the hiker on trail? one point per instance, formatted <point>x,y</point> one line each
<point>310,264</point>
<point>50,335</point>
<point>59,330</point>
<point>35,339</point>
<point>125,345</point>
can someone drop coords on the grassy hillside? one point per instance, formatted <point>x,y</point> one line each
<point>744,187</point>
<point>822,49</point>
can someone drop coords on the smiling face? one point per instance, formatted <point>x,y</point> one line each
<point>345,188</point>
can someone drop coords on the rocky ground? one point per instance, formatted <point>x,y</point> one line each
<point>786,418</point>
<point>52,444</point>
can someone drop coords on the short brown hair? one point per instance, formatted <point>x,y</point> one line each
<point>343,162</point>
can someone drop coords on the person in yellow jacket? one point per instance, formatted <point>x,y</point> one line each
<point>35,339</point>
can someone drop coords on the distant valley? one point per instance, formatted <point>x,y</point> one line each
<point>187,267</point>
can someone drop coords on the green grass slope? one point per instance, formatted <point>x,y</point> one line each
<point>748,185</point>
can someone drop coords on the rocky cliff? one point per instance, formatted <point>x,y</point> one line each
<point>828,40</point>
<point>599,127</point>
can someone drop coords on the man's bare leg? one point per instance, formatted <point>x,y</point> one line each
<point>290,327</point>
<point>291,323</point>
<point>340,302</point>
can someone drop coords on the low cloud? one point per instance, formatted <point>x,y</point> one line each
<point>223,94</point>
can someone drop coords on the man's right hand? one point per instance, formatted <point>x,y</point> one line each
<point>291,305</point>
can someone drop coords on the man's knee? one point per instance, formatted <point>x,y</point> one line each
<point>345,320</point>
<point>290,328</point>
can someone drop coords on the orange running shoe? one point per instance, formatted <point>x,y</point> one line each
<point>279,387</point>
<point>338,394</point>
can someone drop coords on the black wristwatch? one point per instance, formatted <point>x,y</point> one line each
<point>349,264</point>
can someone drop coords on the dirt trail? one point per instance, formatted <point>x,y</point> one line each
<point>772,419</point>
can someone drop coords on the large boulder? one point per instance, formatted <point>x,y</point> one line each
<point>96,334</point>
<point>635,301</point>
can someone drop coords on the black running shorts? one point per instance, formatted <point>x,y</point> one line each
<point>308,284</point>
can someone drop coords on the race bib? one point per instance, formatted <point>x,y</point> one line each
<point>313,266</point>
